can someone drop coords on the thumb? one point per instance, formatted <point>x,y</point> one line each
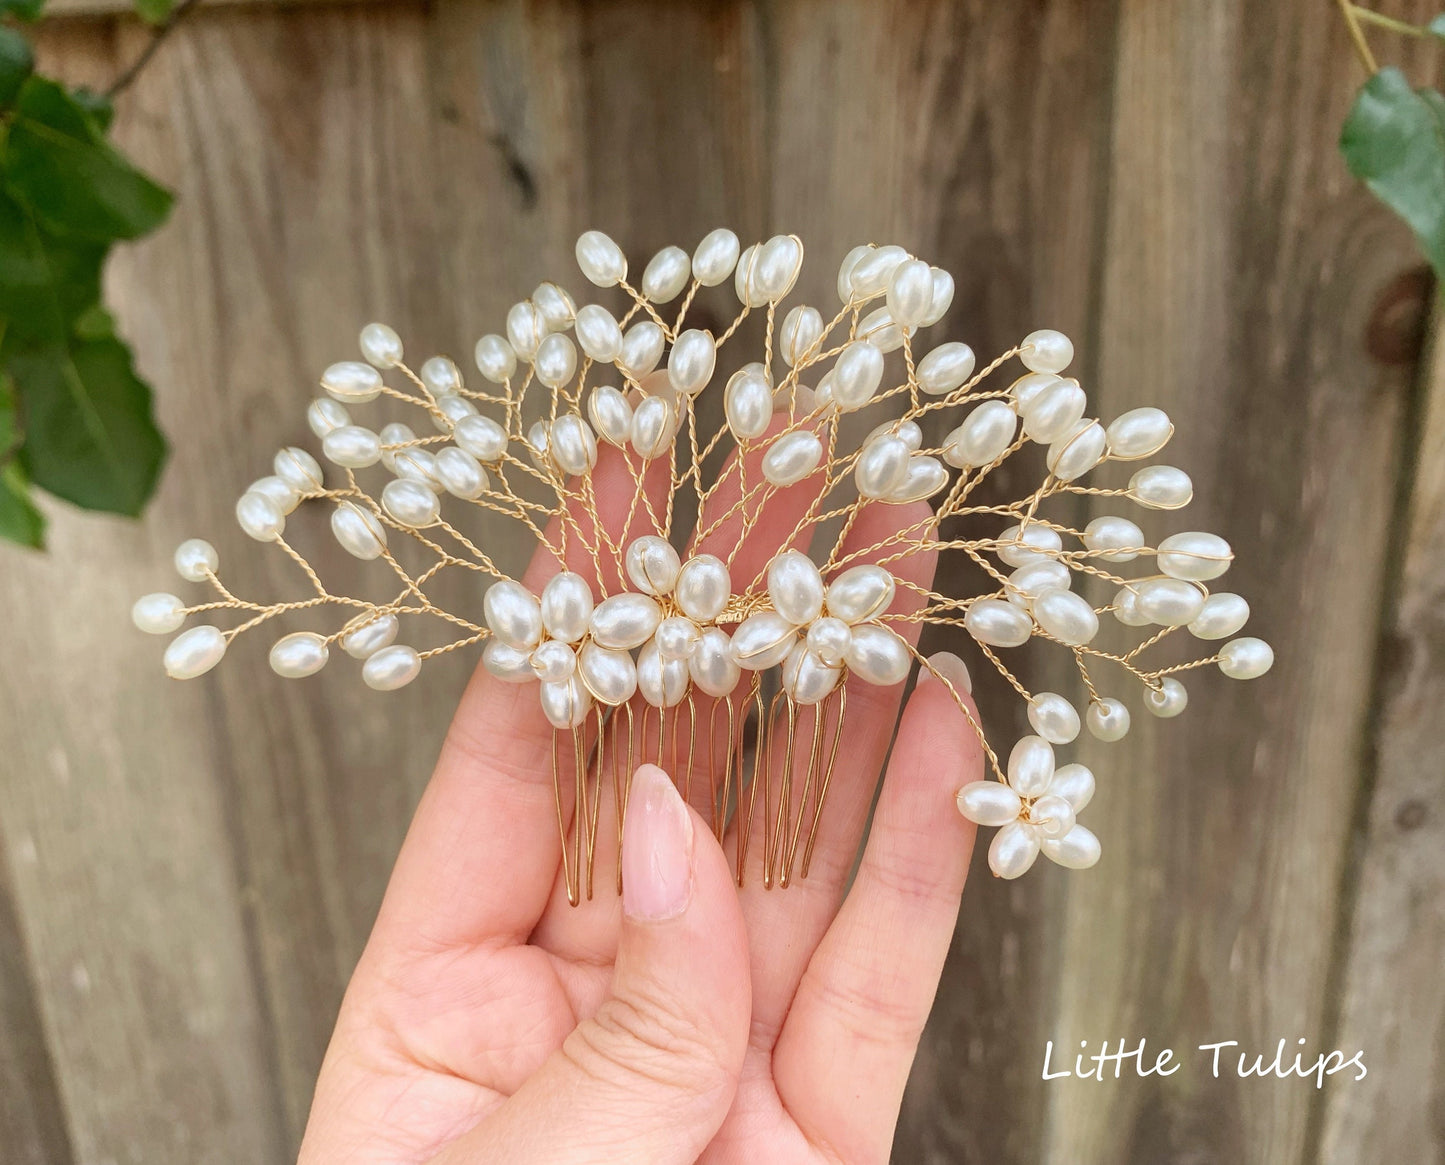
<point>651,1075</point>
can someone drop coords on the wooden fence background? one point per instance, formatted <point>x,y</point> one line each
<point>187,873</point>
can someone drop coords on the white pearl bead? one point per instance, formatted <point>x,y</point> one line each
<point>982,438</point>
<point>599,333</point>
<point>526,329</point>
<point>641,349</point>
<point>1052,815</point>
<point>1108,719</point>
<point>601,260</point>
<point>1054,411</point>
<point>260,516</point>
<point>566,607</point>
<point>441,376</point>
<point>802,329</point>
<point>880,330</point>
<point>806,678</point>
<point>1030,766</point>
<point>1138,433</point>
<point>300,654</point>
<point>1222,615</point>
<point>513,613</point>
<point>453,408</point>
<point>611,414</point>
<point>552,662</point>
<point>366,639</point>
<point>703,588</point>
<point>1053,718</point>
<point>873,271</point>
<point>480,436</point>
<point>662,682</point>
<point>1027,387</point>
<point>565,704</point>
<point>926,476</point>
<point>556,360</point>
<point>878,655</point>
<point>298,469</point>
<point>829,639</point>
<point>712,666</point>
<point>860,593</point>
<point>352,447</point>
<point>909,431</point>
<point>460,474</point>
<point>557,307</point>
<point>158,614</point>
<point>507,663</point>
<point>778,263</point>
<point>998,623</point>
<point>380,346</point>
<point>410,502</point>
<point>573,445</point>
<point>391,668</point>
<point>989,803</point>
<point>845,271</point>
<point>625,621</point>
<point>910,292</point>
<point>1168,700</point>
<point>609,675</point>
<point>1021,545</point>
<point>795,587</point>
<point>692,359</point>
<point>762,640</point>
<point>324,414</point>
<point>359,531</point>
<point>748,403</point>
<point>1194,555</point>
<point>1013,850</point>
<point>942,297</point>
<point>416,464</point>
<point>791,458</point>
<point>1075,784</point>
<point>654,424</point>
<point>1114,539</point>
<point>394,434</point>
<point>652,565</point>
<point>1028,582</point>
<point>1076,850</point>
<point>715,257</point>
<point>196,559</point>
<point>1246,658</point>
<point>882,466</point>
<point>676,637</point>
<point>1169,602</point>
<point>1126,608</point>
<point>945,368</point>
<point>666,275</point>
<point>857,375</point>
<point>496,358</point>
<point>193,653</point>
<point>352,382</point>
<point>1046,351</point>
<point>1161,487</point>
<point>1079,451</point>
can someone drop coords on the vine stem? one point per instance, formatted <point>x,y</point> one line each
<point>125,80</point>
<point>1357,34</point>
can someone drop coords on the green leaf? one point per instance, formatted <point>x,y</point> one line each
<point>154,11</point>
<point>20,521</point>
<point>57,161</point>
<point>94,323</point>
<point>89,434</point>
<point>98,105</point>
<point>17,62</point>
<point>46,282</point>
<point>22,9</point>
<point>1436,27</point>
<point>1394,141</point>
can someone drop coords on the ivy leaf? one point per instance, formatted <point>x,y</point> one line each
<point>26,10</point>
<point>1394,141</point>
<point>17,62</point>
<point>46,282</point>
<point>57,161</point>
<point>20,521</point>
<point>154,11</point>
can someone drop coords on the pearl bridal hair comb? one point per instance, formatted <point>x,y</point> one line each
<point>728,657</point>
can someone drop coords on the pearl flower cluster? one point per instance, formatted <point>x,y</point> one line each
<point>561,382</point>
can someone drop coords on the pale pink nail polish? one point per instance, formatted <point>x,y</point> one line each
<point>656,849</point>
<point>951,668</point>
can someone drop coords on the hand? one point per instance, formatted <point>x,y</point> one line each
<point>490,1021</point>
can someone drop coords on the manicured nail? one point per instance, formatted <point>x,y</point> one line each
<point>951,668</point>
<point>656,849</point>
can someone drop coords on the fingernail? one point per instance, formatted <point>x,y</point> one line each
<point>951,668</point>
<point>656,849</point>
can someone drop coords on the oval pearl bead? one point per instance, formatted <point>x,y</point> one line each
<point>1169,602</point>
<point>806,678</point>
<point>879,329</point>
<point>496,358</point>
<point>762,640</point>
<point>557,308</point>
<point>926,476</point>
<point>942,297</point>
<point>662,682</point>
<point>715,257</point>
<point>703,588</point>
<point>654,424</point>
<point>666,275</point>
<point>910,292</point>
<point>998,623</point>
<point>513,614</point>
<point>1076,850</point>
<point>380,346</point>
<point>692,359</point>
<point>566,607</point>
<point>1161,487</point>
<point>882,466</point>
<point>1013,850</point>
<point>1027,387</point>
<point>1114,539</point>
<point>1075,784</point>
<point>1054,718</point>
<point>1019,546</point>
<point>453,408</point>
<point>745,281</point>
<point>441,376</point>
<point>625,621</point>
<point>909,431</point>
<point>366,639</point>
<point>1108,719</point>
<point>860,593</point>
<point>394,434</point>
<point>1030,766</point>
<point>829,639</point>
<point>778,263</point>
<point>748,403</point>
<point>565,704</point>
<point>653,565</point>
<point>792,457</point>
<point>857,375</point>
<point>1138,433</point>
<point>526,329</point>
<point>391,668</point>
<point>878,655</point>
<point>713,669</point>
<point>611,414</point>
<point>1168,700</point>
<point>676,637</point>
<point>1126,607</point>
<point>1054,412</point>
<point>1222,615</point>
<point>460,474</point>
<point>609,675</point>
<point>1194,555</point>
<point>196,559</point>
<point>359,531</point>
<point>873,270</point>
<point>796,587</point>
<point>482,437</point>
<point>573,445</point>
<point>945,368</point>
<point>507,663</point>
<point>352,447</point>
<point>845,271</point>
<point>1053,816</point>
<point>601,260</point>
<point>556,360</point>
<point>989,803</point>
<point>158,614</point>
<point>415,464</point>
<point>410,502</point>
<point>552,662</point>
<point>599,333</point>
<point>1028,582</point>
<point>260,516</point>
<point>982,438</point>
<point>193,653</point>
<point>1046,351</point>
<point>1079,451</point>
<point>298,469</point>
<point>324,414</point>
<point>802,329</point>
<point>300,654</point>
<point>352,382</point>
<point>1246,658</point>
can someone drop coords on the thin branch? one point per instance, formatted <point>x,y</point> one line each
<point>125,80</point>
<point>1357,34</point>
